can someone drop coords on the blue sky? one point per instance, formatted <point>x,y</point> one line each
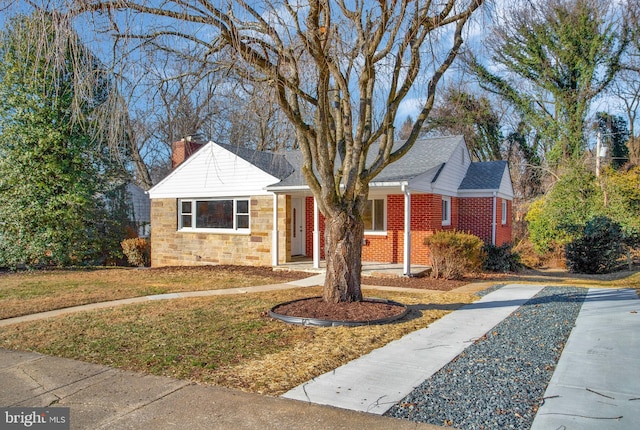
<point>101,45</point>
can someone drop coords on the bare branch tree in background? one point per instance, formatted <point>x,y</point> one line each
<point>249,116</point>
<point>627,85</point>
<point>626,89</point>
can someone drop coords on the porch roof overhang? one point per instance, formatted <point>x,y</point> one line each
<point>289,189</point>
<point>304,189</point>
<point>401,186</point>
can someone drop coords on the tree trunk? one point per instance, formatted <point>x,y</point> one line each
<point>343,254</point>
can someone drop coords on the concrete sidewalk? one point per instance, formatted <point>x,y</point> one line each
<point>307,282</point>
<point>103,398</point>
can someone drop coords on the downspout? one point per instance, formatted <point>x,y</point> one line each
<point>407,230</point>
<point>493,222</point>
<point>316,235</point>
<point>274,233</point>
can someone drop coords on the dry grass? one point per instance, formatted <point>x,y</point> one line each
<point>328,348</point>
<point>227,340</point>
<point>30,292</point>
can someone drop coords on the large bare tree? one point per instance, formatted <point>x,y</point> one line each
<point>340,70</point>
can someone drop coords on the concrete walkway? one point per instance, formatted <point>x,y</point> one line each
<point>311,281</point>
<point>375,382</point>
<point>306,282</point>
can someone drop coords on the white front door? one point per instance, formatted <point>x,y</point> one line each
<point>297,227</point>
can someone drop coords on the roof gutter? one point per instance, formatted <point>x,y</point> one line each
<point>283,189</point>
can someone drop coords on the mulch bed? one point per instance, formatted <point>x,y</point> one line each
<point>427,283</point>
<point>265,271</point>
<point>317,308</point>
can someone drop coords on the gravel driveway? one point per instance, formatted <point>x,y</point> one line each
<point>499,381</point>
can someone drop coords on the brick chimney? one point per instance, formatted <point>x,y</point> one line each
<point>183,149</point>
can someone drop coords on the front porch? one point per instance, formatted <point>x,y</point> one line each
<point>298,226</point>
<point>304,264</point>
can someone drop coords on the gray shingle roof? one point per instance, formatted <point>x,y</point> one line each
<point>484,175</point>
<point>295,178</point>
<point>273,163</point>
<point>426,155</point>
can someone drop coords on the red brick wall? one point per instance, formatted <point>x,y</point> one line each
<point>467,214</point>
<point>475,217</point>
<point>309,229</point>
<point>504,231</point>
<point>426,216</point>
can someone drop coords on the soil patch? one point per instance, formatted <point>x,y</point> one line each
<point>317,308</point>
<point>424,283</point>
<point>232,270</point>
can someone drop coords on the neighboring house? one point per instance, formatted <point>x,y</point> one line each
<point>232,205</point>
<point>139,209</point>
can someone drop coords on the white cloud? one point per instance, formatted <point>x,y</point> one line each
<point>409,107</point>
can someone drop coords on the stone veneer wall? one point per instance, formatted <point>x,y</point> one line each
<point>170,247</point>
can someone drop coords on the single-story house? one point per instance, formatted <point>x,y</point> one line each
<point>231,205</point>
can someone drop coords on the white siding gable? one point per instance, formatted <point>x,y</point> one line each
<point>213,172</point>
<point>506,186</point>
<point>453,172</point>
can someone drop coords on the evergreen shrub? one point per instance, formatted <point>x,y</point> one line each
<point>500,258</point>
<point>598,250</point>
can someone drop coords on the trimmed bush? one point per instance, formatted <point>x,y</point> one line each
<point>500,258</point>
<point>453,254</point>
<point>598,250</point>
<point>137,250</point>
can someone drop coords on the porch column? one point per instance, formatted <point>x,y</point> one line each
<point>274,233</point>
<point>316,235</point>
<point>407,230</point>
<point>494,214</point>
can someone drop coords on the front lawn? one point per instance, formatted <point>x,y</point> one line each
<point>225,340</point>
<point>24,293</point>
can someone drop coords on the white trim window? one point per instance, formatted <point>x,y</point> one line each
<point>374,216</point>
<point>504,211</point>
<point>214,215</point>
<point>446,210</point>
